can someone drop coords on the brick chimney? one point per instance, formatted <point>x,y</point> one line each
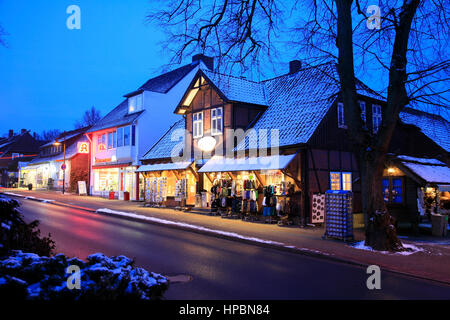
<point>11,133</point>
<point>294,66</point>
<point>208,61</point>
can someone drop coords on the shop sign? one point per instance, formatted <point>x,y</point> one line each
<point>102,160</point>
<point>83,147</point>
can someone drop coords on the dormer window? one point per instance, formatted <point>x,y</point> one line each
<point>135,103</point>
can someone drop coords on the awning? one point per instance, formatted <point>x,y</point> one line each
<point>109,165</point>
<point>164,166</point>
<point>223,164</point>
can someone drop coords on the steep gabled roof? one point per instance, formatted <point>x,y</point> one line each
<point>66,136</point>
<point>433,126</point>
<point>22,142</point>
<point>297,103</point>
<point>237,89</point>
<point>164,82</point>
<point>163,148</point>
<point>117,117</point>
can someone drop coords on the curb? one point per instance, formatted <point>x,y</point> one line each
<point>285,248</point>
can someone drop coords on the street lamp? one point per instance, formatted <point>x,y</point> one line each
<point>63,167</point>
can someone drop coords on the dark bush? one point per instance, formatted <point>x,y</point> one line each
<point>16,234</point>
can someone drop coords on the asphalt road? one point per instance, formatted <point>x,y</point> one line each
<point>220,269</point>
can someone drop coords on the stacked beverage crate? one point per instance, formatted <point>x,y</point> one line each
<point>338,217</point>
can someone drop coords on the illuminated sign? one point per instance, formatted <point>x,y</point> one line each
<point>83,147</point>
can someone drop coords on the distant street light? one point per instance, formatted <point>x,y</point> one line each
<point>63,167</point>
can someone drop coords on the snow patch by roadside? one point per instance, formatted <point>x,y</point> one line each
<point>29,197</point>
<point>413,249</point>
<point>200,228</point>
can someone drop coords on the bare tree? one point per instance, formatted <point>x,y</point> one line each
<point>408,49</point>
<point>48,135</point>
<point>2,36</point>
<point>408,53</point>
<point>90,117</point>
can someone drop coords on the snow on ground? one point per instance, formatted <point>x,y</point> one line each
<point>200,228</point>
<point>46,278</point>
<point>413,249</point>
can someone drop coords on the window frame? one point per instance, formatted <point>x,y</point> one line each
<point>341,180</point>
<point>120,137</point>
<point>341,115</point>
<point>331,180</point>
<point>197,125</point>
<point>136,102</point>
<point>217,118</point>
<point>363,111</point>
<point>126,144</point>
<point>390,188</point>
<point>377,117</point>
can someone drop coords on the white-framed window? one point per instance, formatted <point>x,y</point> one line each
<point>110,140</point>
<point>15,155</point>
<point>341,181</point>
<point>216,121</point>
<point>362,106</point>
<point>347,181</point>
<point>335,180</point>
<point>126,135</point>
<point>119,137</point>
<point>341,117</point>
<point>376,117</point>
<point>135,103</point>
<point>197,124</point>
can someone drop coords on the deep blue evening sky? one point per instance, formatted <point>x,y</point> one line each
<point>50,74</point>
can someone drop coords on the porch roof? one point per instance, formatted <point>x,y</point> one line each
<point>428,170</point>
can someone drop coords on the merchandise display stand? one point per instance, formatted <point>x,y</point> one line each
<point>338,217</point>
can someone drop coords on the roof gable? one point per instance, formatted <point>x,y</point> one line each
<point>163,148</point>
<point>433,126</point>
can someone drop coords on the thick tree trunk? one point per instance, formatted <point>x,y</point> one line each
<point>380,225</point>
<point>372,148</point>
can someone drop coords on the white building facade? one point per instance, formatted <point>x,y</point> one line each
<point>123,136</point>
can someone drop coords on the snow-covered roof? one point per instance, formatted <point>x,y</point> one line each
<point>223,164</point>
<point>428,170</point>
<point>164,82</point>
<point>119,116</point>
<point>430,173</point>
<point>62,139</point>
<point>238,89</point>
<point>164,146</point>
<point>421,160</point>
<point>433,126</point>
<point>297,104</point>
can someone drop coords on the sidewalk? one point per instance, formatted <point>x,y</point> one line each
<point>430,259</point>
